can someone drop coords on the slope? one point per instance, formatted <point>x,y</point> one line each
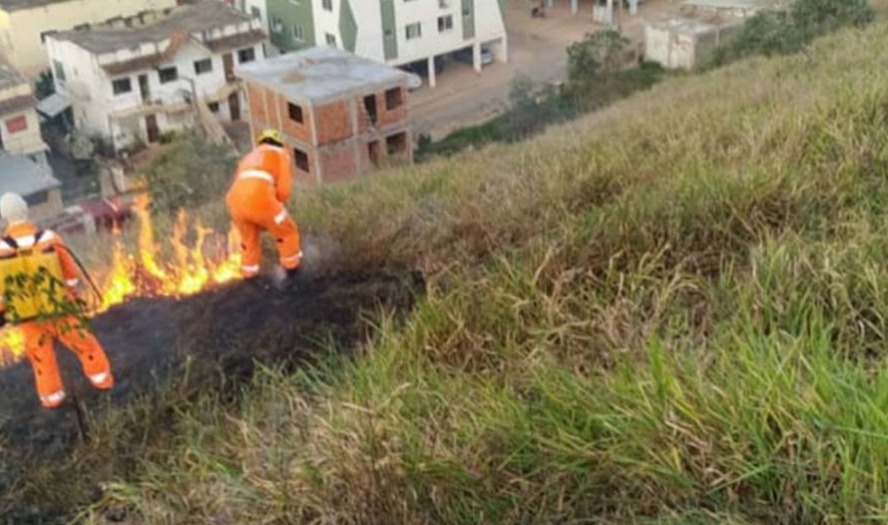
<point>672,310</point>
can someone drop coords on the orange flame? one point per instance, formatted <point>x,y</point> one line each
<point>211,260</point>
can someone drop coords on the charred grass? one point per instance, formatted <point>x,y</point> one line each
<point>672,311</point>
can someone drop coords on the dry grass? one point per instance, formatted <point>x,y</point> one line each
<point>673,310</point>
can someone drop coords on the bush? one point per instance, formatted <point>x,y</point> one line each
<point>599,53</point>
<point>780,32</point>
<point>188,172</point>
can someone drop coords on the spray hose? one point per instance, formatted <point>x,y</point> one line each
<point>84,272</point>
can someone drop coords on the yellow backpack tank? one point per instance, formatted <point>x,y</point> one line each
<point>32,283</point>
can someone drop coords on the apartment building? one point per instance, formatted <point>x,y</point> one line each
<point>139,77</point>
<point>341,114</point>
<point>24,24</point>
<point>393,32</point>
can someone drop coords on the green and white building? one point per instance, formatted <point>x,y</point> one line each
<point>393,32</point>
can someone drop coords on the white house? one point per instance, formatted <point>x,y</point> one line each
<point>143,76</point>
<point>19,125</point>
<point>255,8</point>
<point>394,32</point>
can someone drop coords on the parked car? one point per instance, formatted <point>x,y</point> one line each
<point>466,55</point>
<point>421,67</point>
<point>414,81</point>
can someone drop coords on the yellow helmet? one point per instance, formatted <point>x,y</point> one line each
<point>272,135</point>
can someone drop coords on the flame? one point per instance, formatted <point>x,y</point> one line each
<point>210,260</point>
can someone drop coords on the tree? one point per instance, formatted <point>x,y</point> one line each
<point>599,53</point>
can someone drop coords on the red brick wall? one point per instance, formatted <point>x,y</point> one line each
<point>301,131</point>
<point>396,115</point>
<point>338,163</point>
<point>334,122</point>
<point>270,109</point>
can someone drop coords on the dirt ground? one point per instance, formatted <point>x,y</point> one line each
<point>537,49</point>
<point>216,336</point>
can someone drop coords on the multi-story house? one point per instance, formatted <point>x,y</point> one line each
<point>394,32</point>
<point>24,24</point>
<point>341,114</point>
<point>23,164</point>
<point>19,125</point>
<point>139,77</point>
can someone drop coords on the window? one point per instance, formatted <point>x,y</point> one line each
<point>466,12</point>
<point>301,159</point>
<point>396,144</point>
<point>168,74</point>
<point>331,40</point>
<point>17,124</point>
<point>445,23</point>
<point>214,107</point>
<point>277,25</point>
<point>413,31</point>
<point>256,13</point>
<point>59,70</point>
<point>36,199</point>
<point>327,5</point>
<point>121,86</point>
<point>247,54</point>
<point>298,33</point>
<point>393,98</point>
<point>295,113</point>
<point>203,66</point>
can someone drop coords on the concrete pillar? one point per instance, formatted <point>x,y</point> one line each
<point>432,81</point>
<point>573,7</point>
<point>476,57</point>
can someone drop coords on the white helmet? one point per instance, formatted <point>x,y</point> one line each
<point>13,208</point>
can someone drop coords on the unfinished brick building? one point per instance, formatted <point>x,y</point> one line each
<point>340,114</point>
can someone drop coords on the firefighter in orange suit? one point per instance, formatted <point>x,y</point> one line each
<point>262,184</point>
<point>40,334</point>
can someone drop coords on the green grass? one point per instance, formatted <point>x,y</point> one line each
<point>672,311</point>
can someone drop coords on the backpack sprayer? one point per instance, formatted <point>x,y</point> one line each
<point>32,281</point>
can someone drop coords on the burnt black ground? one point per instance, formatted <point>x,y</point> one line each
<point>217,336</point>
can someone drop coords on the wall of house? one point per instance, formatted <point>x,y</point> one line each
<point>20,41</point>
<point>20,133</point>
<point>48,208</point>
<point>20,129</point>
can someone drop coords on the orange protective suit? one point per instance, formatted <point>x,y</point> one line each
<point>262,185</point>
<point>39,335</point>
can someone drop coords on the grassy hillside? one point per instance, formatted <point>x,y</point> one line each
<point>675,310</point>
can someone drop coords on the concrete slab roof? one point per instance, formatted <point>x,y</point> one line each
<point>19,174</point>
<point>321,74</point>
<point>158,26</point>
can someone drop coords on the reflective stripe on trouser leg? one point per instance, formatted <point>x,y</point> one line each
<point>281,217</point>
<point>288,243</point>
<point>250,248</point>
<point>53,399</point>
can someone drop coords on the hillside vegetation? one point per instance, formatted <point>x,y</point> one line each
<point>675,309</point>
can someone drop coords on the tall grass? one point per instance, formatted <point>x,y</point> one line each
<point>673,311</point>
